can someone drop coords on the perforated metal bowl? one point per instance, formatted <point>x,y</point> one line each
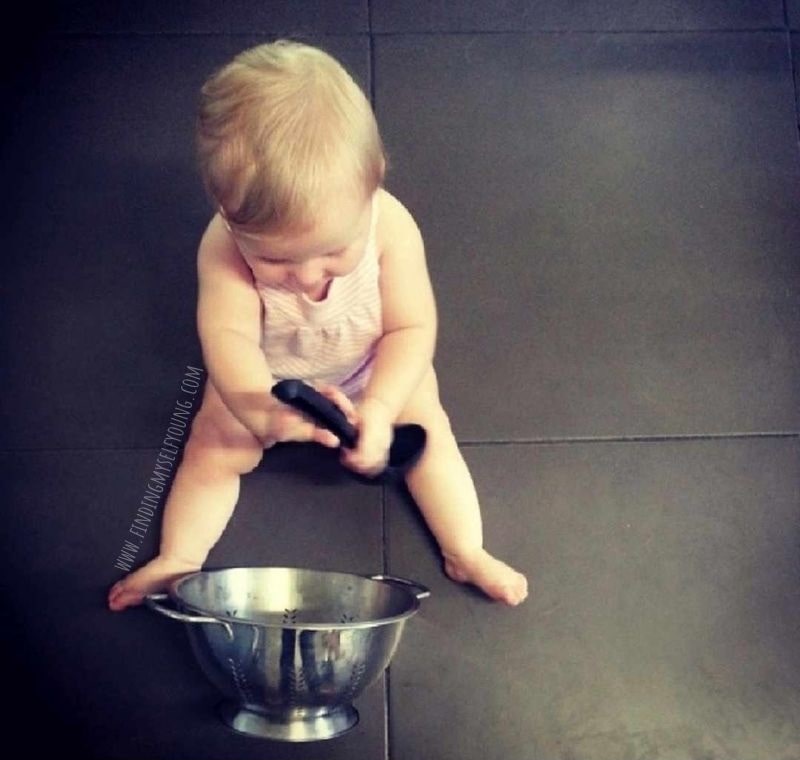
<point>290,648</point>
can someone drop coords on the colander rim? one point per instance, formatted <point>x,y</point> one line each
<point>174,589</point>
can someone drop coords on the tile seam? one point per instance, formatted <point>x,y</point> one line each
<point>794,76</point>
<point>297,35</point>
<point>577,32</point>
<point>371,54</point>
<point>776,435</point>
<point>387,730</point>
<point>566,440</point>
<point>412,33</point>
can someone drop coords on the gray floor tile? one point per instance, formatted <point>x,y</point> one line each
<point>126,685</point>
<point>663,617</point>
<point>101,232</point>
<point>616,15</point>
<point>203,16</point>
<point>612,227</point>
<point>793,13</point>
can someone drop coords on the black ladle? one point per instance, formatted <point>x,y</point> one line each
<point>408,442</point>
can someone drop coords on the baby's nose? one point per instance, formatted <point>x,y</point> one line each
<point>308,273</point>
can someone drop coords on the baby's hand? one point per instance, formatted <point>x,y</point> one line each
<point>374,424</point>
<point>287,424</point>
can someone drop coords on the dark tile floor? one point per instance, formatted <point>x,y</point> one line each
<point>609,192</point>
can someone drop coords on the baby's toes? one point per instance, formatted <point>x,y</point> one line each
<point>121,596</point>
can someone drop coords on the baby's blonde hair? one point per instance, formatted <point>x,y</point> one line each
<point>279,128</point>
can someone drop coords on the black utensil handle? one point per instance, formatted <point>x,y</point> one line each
<point>309,401</point>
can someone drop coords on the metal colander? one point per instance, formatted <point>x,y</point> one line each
<point>291,648</point>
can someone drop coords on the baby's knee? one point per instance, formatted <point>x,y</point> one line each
<point>220,448</point>
<point>436,421</point>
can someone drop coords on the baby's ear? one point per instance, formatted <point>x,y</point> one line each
<point>224,219</point>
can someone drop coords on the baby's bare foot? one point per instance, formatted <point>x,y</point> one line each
<point>154,576</point>
<point>495,578</point>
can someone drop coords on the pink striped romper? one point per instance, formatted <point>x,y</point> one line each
<point>331,341</point>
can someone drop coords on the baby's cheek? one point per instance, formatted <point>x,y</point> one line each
<point>269,274</point>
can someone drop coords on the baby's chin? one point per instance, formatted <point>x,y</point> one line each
<point>316,292</point>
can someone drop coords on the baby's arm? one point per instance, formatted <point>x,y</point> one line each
<point>229,324</point>
<point>405,351</point>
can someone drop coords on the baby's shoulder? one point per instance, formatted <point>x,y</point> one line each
<point>216,239</point>
<point>218,251</point>
<point>395,225</point>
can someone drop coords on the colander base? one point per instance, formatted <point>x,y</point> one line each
<point>297,726</point>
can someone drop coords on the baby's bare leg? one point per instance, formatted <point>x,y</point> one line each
<point>202,498</point>
<point>442,487</point>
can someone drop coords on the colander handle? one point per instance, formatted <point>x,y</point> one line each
<point>419,591</point>
<point>152,601</point>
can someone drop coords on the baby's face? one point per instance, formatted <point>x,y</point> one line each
<point>306,262</point>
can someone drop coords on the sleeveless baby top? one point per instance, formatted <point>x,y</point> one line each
<point>331,341</point>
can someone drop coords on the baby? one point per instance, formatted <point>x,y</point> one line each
<point>311,270</point>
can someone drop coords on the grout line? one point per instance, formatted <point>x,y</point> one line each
<point>387,723</point>
<point>679,438</point>
<point>387,718</point>
<point>304,34</point>
<point>786,13</point>
<point>371,53</point>
<point>567,32</point>
<point>387,730</point>
<point>384,533</point>
<point>795,84</point>
<point>414,33</point>
<point>555,440</point>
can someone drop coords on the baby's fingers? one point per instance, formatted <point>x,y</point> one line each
<point>332,393</point>
<point>288,425</point>
<point>325,437</point>
<point>355,460</point>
